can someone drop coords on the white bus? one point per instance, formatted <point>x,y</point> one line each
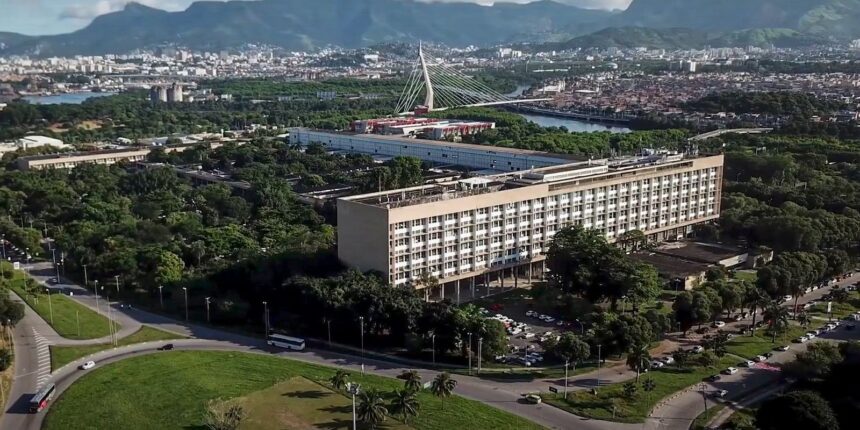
<point>287,342</point>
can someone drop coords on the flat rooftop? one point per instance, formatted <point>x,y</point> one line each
<point>60,155</point>
<point>464,146</point>
<point>669,266</point>
<point>700,252</point>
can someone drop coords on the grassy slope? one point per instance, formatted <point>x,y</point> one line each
<point>66,312</point>
<point>168,391</point>
<point>62,355</point>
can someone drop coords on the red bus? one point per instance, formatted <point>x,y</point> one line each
<point>40,400</point>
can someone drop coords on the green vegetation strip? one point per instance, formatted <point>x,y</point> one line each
<point>62,355</point>
<point>611,403</point>
<point>169,391</point>
<point>67,314</point>
<point>747,346</point>
<point>701,421</point>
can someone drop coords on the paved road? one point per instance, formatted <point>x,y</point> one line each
<point>679,412</point>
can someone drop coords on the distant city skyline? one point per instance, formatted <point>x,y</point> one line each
<point>40,17</point>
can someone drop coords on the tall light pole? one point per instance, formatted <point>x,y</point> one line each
<point>328,329</point>
<point>4,246</point>
<point>566,363</point>
<point>185,291</point>
<point>266,319</point>
<point>116,277</point>
<point>433,343</point>
<point>207,310</point>
<point>480,345</point>
<point>361,322</point>
<point>86,284</point>
<point>50,306</point>
<point>56,266</point>
<point>96,292</point>
<point>598,368</point>
<point>469,352</point>
<point>353,389</point>
<point>161,296</point>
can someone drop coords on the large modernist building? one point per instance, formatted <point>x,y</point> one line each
<point>470,229</point>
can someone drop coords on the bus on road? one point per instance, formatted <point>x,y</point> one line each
<point>287,342</point>
<point>40,400</point>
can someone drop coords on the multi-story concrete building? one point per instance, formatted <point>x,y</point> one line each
<point>480,157</point>
<point>68,160</point>
<point>482,227</point>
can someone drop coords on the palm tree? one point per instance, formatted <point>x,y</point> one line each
<point>754,299</point>
<point>648,386</point>
<point>804,319</point>
<point>442,386</point>
<point>338,380</point>
<point>411,380</point>
<point>405,404</point>
<point>638,358</point>
<point>371,408</point>
<point>778,316</point>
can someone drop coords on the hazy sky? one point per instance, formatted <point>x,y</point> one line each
<point>62,16</point>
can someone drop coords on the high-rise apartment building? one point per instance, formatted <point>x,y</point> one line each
<point>470,229</point>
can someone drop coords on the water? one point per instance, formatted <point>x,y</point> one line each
<point>573,125</point>
<point>69,98</point>
<point>518,92</point>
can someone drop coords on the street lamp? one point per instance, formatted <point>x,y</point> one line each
<point>480,345</point>
<point>207,310</point>
<point>566,364</point>
<point>581,326</point>
<point>266,318</point>
<point>469,352</point>
<point>185,291</point>
<point>361,322</point>
<point>433,342</point>
<point>96,292</point>
<point>116,277</point>
<point>598,368</point>
<point>50,307</point>
<point>86,283</point>
<point>353,389</point>
<point>4,246</point>
<point>161,296</point>
<point>56,266</point>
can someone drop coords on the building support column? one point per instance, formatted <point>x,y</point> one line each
<point>473,287</point>
<point>543,270</point>
<point>529,272</point>
<point>502,279</point>
<point>458,291</point>
<point>442,291</point>
<point>516,271</point>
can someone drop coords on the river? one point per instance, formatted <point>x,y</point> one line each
<point>572,124</point>
<point>69,98</point>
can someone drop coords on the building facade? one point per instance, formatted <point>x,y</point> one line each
<point>471,229</point>
<point>68,160</point>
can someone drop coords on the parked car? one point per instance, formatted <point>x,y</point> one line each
<point>730,371</point>
<point>88,365</point>
<point>759,358</point>
<point>720,393</point>
<point>657,364</point>
<point>714,378</point>
<point>801,339</point>
<point>166,347</point>
<point>748,363</point>
<point>768,354</point>
<point>719,324</point>
<point>698,349</point>
<point>668,359</point>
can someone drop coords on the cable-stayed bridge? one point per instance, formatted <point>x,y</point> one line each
<point>445,88</point>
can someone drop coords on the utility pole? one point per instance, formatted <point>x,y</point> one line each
<point>469,352</point>
<point>566,363</point>
<point>56,266</point>
<point>480,345</point>
<point>598,368</point>
<point>266,319</point>
<point>116,277</point>
<point>50,306</point>
<point>353,389</point>
<point>161,296</point>
<point>207,310</point>
<point>86,284</point>
<point>185,291</point>
<point>328,328</point>
<point>433,342</point>
<point>96,292</point>
<point>361,322</point>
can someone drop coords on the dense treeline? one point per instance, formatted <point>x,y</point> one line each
<point>516,132</point>
<point>798,105</point>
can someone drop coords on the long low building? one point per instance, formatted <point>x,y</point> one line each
<point>478,157</point>
<point>472,229</point>
<point>68,160</point>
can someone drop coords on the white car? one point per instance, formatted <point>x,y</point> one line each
<point>668,359</point>
<point>801,339</point>
<point>719,324</point>
<point>88,365</point>
<point>698,349</point>
<point>549,319</point>
<point>657,364</point>
<point>759,358</point>
<point>811,335</point>
<point>785,348</point>
<point>748,363</point>
<point>531,313</point>
<point>730,371</point>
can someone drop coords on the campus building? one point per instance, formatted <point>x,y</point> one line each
<point>68,160</point>
<point>478,157</point>
<point>483,228</point>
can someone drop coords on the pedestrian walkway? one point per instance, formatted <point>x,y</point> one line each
<point>43,358</point>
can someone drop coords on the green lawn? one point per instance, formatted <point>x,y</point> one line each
<point>520,374</point>
<point>743,419</point>
<point>62,355</point>
<point>67,314</point>
<point>299,403</point>
<point>840,310</point>
<point>746,275</point>
<point>748,346</point>
<point>169,390</point>
<point>610,404</point>
<point>702,420</point>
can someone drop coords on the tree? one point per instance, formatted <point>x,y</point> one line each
<point>5,359</point>
<point>169,268</point>
<point>639,359</point>
<point>778,316</point>
<point>800,409</point>
<point>804,319</point>
<point>405,404</point>
<point>681,357</point>
<point>683,307</point>
<point>443,386</point>
<point>411,380</point>
<point>223,415</point>
<point>815,363</point>
<point>754,299</point>
<point>371,408</point>
<point>339,379</point>
<point>571,348</point>
<point>630,389</point>
<point>648,386</point>
<point>840,295</point>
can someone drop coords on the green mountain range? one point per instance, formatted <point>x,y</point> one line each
<point>305,24</point>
